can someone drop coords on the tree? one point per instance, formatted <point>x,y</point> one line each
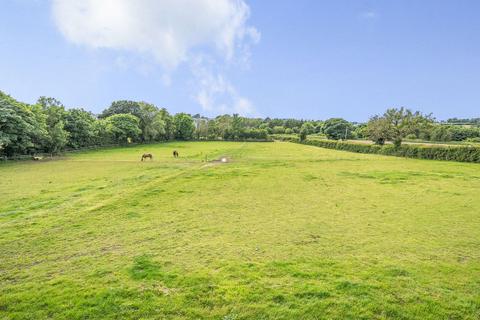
<point>169,128</point>
<point>460,133</point>
<point>396,124</point>
<point>122,107</point>
<point>55,114</point>
<point>37,118</point>
<point>306,129</point>
<point>274,122</point>
<point>156,130</point>
<point>338,128</point>
<point>378,130</point>
<point>23,128</point>
<point>319,126</point>
<point>80,125</point>
<point>212,130</point>
<point>184,126</point>
<point>123,128</point>
<point>441,133</point>
<point>292,123</point>
<point>58,138</point>
<point>202,128</point>
<point>223,125</point>
<point>14,131</point>
<point>237,126</point>
<point>265,126</point>
<point>151,122</point>
<point>279,129</point>
<point>360,131</point>
<point>101,133</point>
<point>303,134</point>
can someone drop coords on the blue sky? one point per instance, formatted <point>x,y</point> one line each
<point>303,59</point>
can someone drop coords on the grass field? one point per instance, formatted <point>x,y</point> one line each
<point>282,231</point>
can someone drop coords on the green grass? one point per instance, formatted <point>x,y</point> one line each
<point>282,231</point>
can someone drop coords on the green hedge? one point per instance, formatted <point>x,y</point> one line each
<point>454,153</point>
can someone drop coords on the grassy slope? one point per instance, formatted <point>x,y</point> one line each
<point>283,231</point>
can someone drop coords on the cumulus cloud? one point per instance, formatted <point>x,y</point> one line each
<point>171,32</point>
<point>166,29</point>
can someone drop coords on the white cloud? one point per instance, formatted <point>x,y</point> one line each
<point>166,29</point>
<point>169,31</point>
<point>215,93</point>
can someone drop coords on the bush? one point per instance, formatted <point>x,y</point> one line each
<point>411,136</point>
<point>253,135</point>
<point>285,137</point>
<point>278,129</point>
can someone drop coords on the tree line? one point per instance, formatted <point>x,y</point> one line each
<point>395,125</point>
<point>47,126</point>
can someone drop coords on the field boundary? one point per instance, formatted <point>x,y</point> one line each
<point>454,153</point>
<point>23,157</point>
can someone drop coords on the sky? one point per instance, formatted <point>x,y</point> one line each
<point>306,59</point>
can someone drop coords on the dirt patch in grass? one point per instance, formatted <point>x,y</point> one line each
<point>223,159</point>
<point>220,160</point>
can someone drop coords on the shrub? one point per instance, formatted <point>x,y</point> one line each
<point>278,129</point>
<point>411,136</point>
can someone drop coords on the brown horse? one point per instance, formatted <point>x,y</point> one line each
<point>147,155</point>
<point>175,154</point>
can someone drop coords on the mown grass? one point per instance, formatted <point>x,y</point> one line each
<point>283,231</point>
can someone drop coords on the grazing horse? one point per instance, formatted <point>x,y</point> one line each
<point>175,154</point>
<point>147,155</point>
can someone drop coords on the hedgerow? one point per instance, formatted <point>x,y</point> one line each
<point>453,153</point>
